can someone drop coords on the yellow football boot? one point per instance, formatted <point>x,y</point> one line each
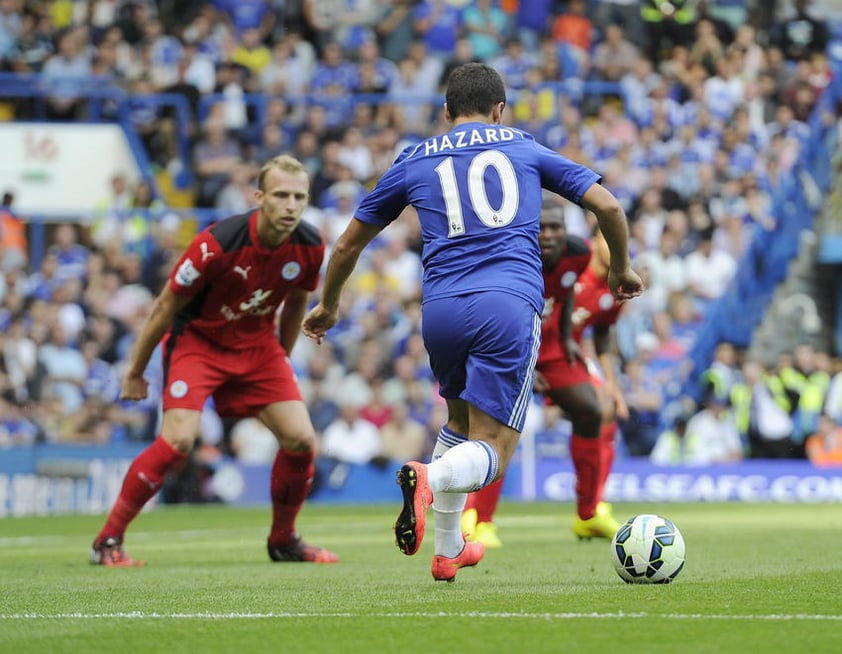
<point>486,533</point>
<point>469,525</point>
<point>602,525</point>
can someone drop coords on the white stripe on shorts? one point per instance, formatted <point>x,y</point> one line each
<point>519,410</point>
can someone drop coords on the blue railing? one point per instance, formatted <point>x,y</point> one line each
<point>106,100</point>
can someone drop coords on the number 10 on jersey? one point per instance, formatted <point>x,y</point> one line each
<point>478,193</point>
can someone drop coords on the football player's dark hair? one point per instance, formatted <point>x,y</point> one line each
<point>474,88</point>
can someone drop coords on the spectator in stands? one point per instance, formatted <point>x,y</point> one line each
<point>713,435</point>
<point>377,410</point>
<point>252,443</point>
<point>237,196</point>
<point>245,15</point>
<point>114,56</point>
<point>463,53</point>
<point>752,56</point>
<point>833,398</point>
<point>288,71</point>
<point>724,91</point>
<point>41,284</point>
<point>514,62</point>
<point>806,382</point>
<point>402,264</point>
<point>672,447</point>
<point>11,26</point>
<point>486,26</point>
<point>801,33</point>
<point>24,372</point>
<point>614,56</point>
<point>709,270</point>
<point>164,234</point>
<point>382,71</point>
<point>15,428</point>
<point>402,438</point>
<point>666,24</point>
<point>707,48</point>
<point>63,72</point>
<point>30,48</point>
<point>163,52</point>
<point>760,411</point>
<point>65,369</point>
<point>197,69</point>
<point>210,33</point>
<point>410,112</point>
<point>824,446</point>
<point>251,53</point>
<point>333,74</point>
<point>350,438</point>
<point>649,220</point>
<point>14,249</point>
<point>438,23</point>
<point>573,31</point>
<point>667,269</point>
<point>214,156</point>
<point>66,304</point>
<point>625,13</point>
<point>102,382</point>
<point>355,154</point>
<point>644,399</point>
<point>395,29</point>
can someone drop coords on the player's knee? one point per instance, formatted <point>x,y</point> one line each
<point>180,429</point>
<point>587,420</point>
<point>299,441</point>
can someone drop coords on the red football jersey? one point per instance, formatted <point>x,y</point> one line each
<point>593,304</point>
<point>558,285</point>
<point>237,284</point>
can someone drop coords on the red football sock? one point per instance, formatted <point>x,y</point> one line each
<point>607,434</point>
<point>587,461</point>
<point>485,500</point>
<point>142,481</point>
<point>292,476</point>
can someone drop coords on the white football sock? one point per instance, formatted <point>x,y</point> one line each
<point>448,507</point>
<point>464,468</point>
<point>458,466</point>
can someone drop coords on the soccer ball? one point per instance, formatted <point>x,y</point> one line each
<point>648,549</point>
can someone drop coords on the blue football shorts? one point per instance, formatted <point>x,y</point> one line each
<point>483,348</point>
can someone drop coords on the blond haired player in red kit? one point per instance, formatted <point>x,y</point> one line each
<point>215,319</point>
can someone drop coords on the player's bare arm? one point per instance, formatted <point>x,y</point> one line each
<point>341,264</point>
<point>164,309</point>
<point>292,314</point>
<point>622,280</point>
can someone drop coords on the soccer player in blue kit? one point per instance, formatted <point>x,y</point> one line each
<point>477,192</point>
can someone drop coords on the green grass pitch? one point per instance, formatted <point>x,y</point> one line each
<point>758,578</point>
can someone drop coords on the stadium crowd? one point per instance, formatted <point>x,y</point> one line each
<point>700,115</point>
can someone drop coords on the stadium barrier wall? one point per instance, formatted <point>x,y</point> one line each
<point>60,169</point>
<point>67,479</point>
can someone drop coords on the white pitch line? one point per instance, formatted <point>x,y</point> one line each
<point>139,615</point>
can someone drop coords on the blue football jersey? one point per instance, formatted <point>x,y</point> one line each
<point>477,191</point>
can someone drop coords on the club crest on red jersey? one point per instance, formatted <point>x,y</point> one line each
<point>606,301</point>
<point>569,278</point>
<point>291,270</point>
